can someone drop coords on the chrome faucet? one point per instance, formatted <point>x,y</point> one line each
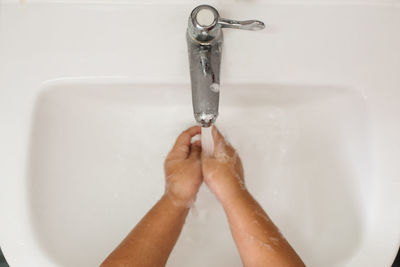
<point>204,39</point>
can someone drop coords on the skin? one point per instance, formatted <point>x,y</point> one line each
<point>152,240</point>
<point>257,238</point>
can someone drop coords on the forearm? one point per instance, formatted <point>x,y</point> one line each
<point>152,240</point>
<point>258,240</point>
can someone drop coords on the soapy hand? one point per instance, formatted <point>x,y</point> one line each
<point>182,167</point>
<point>223,171</point>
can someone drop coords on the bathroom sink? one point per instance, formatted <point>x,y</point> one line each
<point>88,114</point>
<point>97,151</point>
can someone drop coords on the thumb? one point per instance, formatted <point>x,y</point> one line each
<point>219,140</point>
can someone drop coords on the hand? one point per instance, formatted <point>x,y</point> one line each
<point>182,167</point>
<point>223,171</point>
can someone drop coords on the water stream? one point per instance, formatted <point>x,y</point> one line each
<point>207,141</point>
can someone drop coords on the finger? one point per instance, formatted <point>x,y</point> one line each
<point>195,150</point>
<point>219,140</point>
<point>217,136</point>
<point>181,148</point>
<point>197,143</point>
<point>221,145</point>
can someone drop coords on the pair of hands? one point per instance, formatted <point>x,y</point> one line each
<point>186,167</point>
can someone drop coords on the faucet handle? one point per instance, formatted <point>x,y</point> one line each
<point>252,25</point>
<point>205,23</point>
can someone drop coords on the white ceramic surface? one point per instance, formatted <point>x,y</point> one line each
<point>88,111</point>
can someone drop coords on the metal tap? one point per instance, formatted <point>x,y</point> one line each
<point>204,39</point>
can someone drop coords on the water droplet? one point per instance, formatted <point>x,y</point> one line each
<point>214,87</point>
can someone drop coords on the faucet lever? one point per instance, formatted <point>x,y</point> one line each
<point>252,25</point>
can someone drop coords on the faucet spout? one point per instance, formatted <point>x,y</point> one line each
<point>204,38</point>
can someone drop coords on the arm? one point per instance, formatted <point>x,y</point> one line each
<point>258,240</point>
<point>153,238</point>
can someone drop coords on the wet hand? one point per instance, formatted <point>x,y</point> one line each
<point>223,171</point>
<point>182,167</point>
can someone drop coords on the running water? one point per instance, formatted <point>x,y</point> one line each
<point>207,142</point>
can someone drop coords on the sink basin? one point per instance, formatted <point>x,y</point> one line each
<point>98,149</point>
<point>88,113</point>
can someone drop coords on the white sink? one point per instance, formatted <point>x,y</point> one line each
<point>311,104</point>
<point>98,149</point>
